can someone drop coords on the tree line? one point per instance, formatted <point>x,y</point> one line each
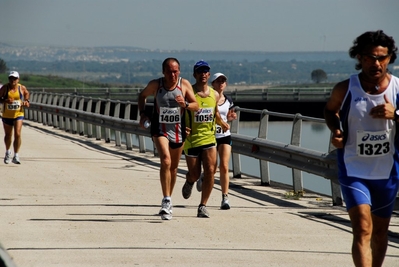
<point>140,72</point>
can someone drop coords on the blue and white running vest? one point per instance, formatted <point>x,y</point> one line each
<point>369,147</point>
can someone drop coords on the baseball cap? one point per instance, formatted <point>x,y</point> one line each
<point>217,75</point>
<point>201,65</point>
<point>14,74</point>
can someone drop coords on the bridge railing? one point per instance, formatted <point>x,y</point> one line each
<point>97,117</point>
<point>281,94</point>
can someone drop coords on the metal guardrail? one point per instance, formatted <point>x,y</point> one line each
<point>319,94</point>
<point>79,114</point>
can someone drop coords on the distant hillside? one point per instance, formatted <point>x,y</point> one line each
<point>134,67</point>
<point>132,54</point>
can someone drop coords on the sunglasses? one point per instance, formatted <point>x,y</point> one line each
<point>12,78</point>
<point>373,58</point>
<point>204,70</point>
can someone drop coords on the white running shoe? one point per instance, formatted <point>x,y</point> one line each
<point>225,203</point>
<point>7,158</point>
<point>15,160</point>
<point>202,212</point>
<point>166,210</point>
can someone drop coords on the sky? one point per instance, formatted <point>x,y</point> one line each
<point>199,25</point>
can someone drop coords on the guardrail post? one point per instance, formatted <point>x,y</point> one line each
<point>98,127</point>
<point>55,118</point>
<point>44,115</point>
<point>296,141</point>
<point>49,116</point>
<point>129,143</point>
<point>61,118</point>
<point>89,125</point>
<point>262,133</point>
<point>140,137</point>
<point>81,125</point>
<point>107,130</point>
<point>74,121</point>
<point>116,115</point>
<point>39,113</point>
<point>235,157</point>
<point>68,120</point>
<point>335,188</point>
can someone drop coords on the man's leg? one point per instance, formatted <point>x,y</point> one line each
<point>362,227</point>
<point>208,162</point>
<point>175,155</point>
<point>162,145</point>
<point>379,239</point>
<point>17,135</point>
<point>7,141</point>
<point>194,170</point>
<point>7,135</point>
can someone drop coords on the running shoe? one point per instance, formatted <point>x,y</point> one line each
<point>225,203</point>
<point>166,210</point>
<point>202,212</point>
<point>15,160</point>
<point>7,158</point>
<point>186,190</point>
<point>199,182</point>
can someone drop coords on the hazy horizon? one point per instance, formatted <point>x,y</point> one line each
<point>207,25</point>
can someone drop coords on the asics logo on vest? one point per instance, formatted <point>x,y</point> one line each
<point>170,111</point>
<point>361,99</point>
<point>373,137</point>
<point>204,110</point>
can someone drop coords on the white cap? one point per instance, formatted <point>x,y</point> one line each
<point>217,75</point>
<point>14,74</point>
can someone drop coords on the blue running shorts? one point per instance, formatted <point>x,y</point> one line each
<point>379,194</point>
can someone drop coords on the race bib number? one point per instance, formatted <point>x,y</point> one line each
<point>219,129</point>
<point>16,105</point>
<point>169,115</point>
<point>372,144</point>
<point>204,115</point>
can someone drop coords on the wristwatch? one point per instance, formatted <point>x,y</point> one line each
<point>396,115</point>
<point>187,104</point>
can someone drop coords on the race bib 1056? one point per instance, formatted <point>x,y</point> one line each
<point>204,115</point>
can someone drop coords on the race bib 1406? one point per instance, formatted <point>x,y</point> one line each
<point>169,115</point>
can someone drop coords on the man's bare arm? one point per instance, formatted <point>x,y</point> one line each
<point>189,96</point>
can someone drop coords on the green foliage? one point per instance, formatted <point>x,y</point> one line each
<point>49,81</point>
<point>318,76</point>
<point>3,66</point>
<point>264,72</point>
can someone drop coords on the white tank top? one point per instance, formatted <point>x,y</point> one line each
<point>369,147</point>
<point>224,110</point>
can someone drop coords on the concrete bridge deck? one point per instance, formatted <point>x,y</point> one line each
<point>76,201</point>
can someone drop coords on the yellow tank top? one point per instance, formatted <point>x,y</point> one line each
<point>15,109</point>
<point>202,122</point>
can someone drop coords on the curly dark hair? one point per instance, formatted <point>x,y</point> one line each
<point>373,38</point>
